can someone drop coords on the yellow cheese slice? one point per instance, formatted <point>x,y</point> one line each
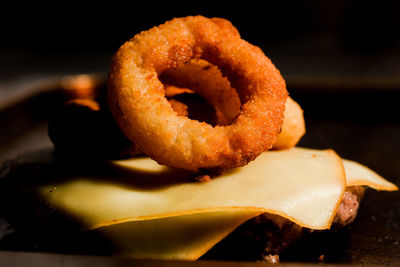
<point>185,237</point>
<point>357,174</point>
<point>305,186</point>
<point>151,211</point>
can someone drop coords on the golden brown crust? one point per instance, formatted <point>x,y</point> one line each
<point>137,101</point>
<point>180,108</point>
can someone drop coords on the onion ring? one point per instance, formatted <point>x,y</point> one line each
<point>138,104</point>
<point>208,81</point>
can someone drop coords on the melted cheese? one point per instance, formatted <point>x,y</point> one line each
<point>305,186</point>
<point>151,211</point>
<point>357,174</point>
<point>185,237</point>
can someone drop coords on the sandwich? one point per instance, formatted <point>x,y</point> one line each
<point>108,183</point>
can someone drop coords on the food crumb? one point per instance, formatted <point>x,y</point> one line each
<point>271,258</point>
<point>203,178</point>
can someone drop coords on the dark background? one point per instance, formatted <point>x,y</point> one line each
<point>362,26</point>
<point>339,43</point>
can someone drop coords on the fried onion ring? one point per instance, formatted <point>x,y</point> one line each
<point>137,100</point>
<point>208,81</point>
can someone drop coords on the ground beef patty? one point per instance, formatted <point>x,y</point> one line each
<point>348,208</point>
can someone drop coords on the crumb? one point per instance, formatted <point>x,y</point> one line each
<point>203,178</point>
<point>271,258</point>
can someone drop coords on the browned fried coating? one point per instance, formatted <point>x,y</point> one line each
<point>137,101</point>
<point>172,90</point>
<point>180,108</point>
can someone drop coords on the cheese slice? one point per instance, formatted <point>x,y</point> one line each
<point>357,174</point>
<point>305,186</point>
<point>152,211</point>
<point>184,237</point>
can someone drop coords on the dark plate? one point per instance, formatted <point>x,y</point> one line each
<point>359,124</point>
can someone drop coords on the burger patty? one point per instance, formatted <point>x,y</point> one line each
<point>348,208</point>
<point>265,236</point>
